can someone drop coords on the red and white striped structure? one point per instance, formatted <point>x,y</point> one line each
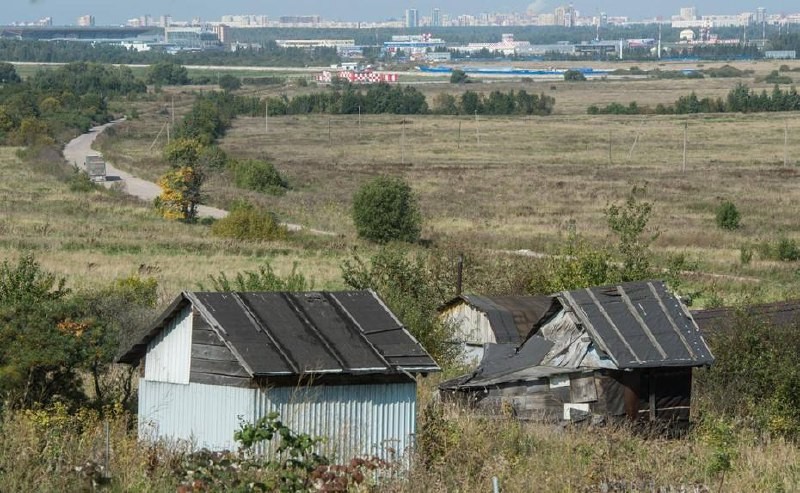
<point>357,77</point>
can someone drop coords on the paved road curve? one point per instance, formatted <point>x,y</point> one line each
<point>77,149</point>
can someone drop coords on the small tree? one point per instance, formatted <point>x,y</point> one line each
<point>573,76</point>
<point>229,83</point>
<point>458,76</point>
<point>628,222</point>
<point>385,209</point>
<point>727,216</point>
<point>180,193</point>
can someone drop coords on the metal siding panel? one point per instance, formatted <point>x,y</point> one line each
<point>204,415</point>
<point>355,419</point>
<point>169,355</point>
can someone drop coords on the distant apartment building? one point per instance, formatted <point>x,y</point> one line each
<point>86,21</point>
<point>412,18</point>
<point>436,18</point>
<point>761,15</point>
<point>300,19</point>
<point>688,14</point>
<point>246,20</point>
<point>165,21</point>
<point>565,16</point>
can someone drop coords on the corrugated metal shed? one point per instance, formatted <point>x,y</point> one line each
<point>336,365</point>
<point>639,325</point>
<point>375,419</point>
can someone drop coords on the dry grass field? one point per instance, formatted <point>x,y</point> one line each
<point>96,237</point>
<point>516,182</point>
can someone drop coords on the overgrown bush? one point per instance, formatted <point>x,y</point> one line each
<point>264,279</point>
<point>574,76</point>
<point>776,77</point>
<point>229,83</point>
<point>247,222</point>
<point>259,176</point>
<point>727,216</point>
<point>756,377</point>
<point>458,76</point>
<point>386,209</point>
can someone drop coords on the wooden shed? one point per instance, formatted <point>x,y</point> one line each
<point>338,365</point>
<point>620,350</point>
<point>481,320</point>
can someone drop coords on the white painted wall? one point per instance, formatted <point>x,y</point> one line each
<point>169,355</point>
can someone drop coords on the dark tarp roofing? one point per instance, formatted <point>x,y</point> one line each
<point>503,362</point>
<point>714,320</point>
<point>511,317</point>
<point>298,333</point>
<point>639,325</point>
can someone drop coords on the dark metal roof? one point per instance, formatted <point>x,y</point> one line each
<point>714,320</point>
<point>274,334</point>
<point>511,317</point>
<point>639,325</point>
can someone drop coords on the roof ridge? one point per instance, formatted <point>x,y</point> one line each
<point>305,320</point>
<point>339,307</point>
<point>260,326</point>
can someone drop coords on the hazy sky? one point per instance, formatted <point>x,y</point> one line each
<point>117,11</point>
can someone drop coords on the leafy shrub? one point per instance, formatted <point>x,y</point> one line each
<point>776,77</point>
<point>79,181</point>
<point>246,222</point>
<point>229,83</point>
<point>458,76</point>
<point>574,76</point>
<point>756,377</point>
<point>385,209</point>
<point>167,73</point>
<point>259,176</point>
<point>264,279</point>
<point>787,250</point>
<point>727,216</point>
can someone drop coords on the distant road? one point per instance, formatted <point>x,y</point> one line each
<point>77,149</point>
<point>249,68</point>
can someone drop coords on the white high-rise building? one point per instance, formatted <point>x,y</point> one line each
<point>412,18</point>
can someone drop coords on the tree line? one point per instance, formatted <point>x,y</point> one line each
<point>54,104</point>
<point>268,54</point>
<point>740,99</point>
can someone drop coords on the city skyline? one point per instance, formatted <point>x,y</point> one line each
<point>351,10</point>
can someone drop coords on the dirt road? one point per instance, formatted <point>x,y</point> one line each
<point>77,149</point>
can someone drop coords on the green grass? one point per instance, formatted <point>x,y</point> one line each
<point>96,237</point>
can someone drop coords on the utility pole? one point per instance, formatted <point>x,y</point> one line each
<point>610,161</point>
<point>459,134</point>
<point>477,128</point>
<point>266,116</point>
<point>786,143</point>
<point>403,143</point>
<point>685,139</point>
<point>359,121</point>
<point>329,131</point>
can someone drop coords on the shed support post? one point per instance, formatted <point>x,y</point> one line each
<point>651,384</point>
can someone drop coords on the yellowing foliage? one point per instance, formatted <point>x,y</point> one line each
<point>180,193</point>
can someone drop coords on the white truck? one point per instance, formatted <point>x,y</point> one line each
<point>96,168</point>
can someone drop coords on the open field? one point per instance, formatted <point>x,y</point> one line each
<point>96,237</point>
<point>516,182</point>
